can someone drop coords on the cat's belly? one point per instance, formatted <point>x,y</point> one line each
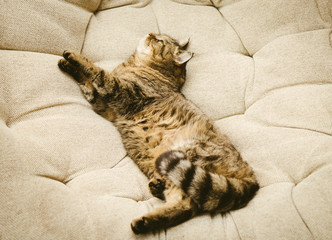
<point>176,139</point>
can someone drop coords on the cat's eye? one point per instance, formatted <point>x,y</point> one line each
<point>160,42</point>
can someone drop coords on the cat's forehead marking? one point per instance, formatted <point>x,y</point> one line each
<point>166,38</point>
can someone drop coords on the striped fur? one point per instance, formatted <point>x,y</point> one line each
<point>190,165</point>
<point>212,192</point>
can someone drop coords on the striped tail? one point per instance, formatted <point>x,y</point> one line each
<point>210,191</point>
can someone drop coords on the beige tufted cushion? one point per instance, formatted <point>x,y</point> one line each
<point>262,70</point>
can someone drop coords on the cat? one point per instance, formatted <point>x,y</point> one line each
<point>189,163</point>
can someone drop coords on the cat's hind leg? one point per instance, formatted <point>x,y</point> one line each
<point>177,209</point>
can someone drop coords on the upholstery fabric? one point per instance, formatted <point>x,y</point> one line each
<point>262,70</point>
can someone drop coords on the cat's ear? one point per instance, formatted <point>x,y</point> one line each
<point>184,43</point>
<point>183,57</point>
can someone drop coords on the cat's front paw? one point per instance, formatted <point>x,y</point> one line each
<point>157,187</point>
<point>65,66</point>
<point>67,53</point>
<point>140,225</point>
<point>71,57</point>
<point>75,59</point>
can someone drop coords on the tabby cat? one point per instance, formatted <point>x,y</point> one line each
<point>190,165</point>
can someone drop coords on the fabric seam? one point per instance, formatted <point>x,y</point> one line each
<point>237,34</point>
<point>264,94</point>
<point>156,19</point>
<point>320,13</point>
<point>237,228</point>
<point>252,81</point>
<point>298,212</point>
<point>85,32</point>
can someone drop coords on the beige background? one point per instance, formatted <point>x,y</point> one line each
<point>262,70</point>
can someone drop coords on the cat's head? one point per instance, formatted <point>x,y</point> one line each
<point>163,52</point>
<point>163,49</point>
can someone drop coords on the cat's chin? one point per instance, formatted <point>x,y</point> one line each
<point>142,47</point>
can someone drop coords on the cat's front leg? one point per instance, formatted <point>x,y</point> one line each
<point>92,79</point>
<point>72,70</point>
<point>92,73</point>
<point>78,61</point>
<point>76,72</point>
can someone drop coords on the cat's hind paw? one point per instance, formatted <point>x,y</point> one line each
<point>140,225</point>
<point>157,187</point>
